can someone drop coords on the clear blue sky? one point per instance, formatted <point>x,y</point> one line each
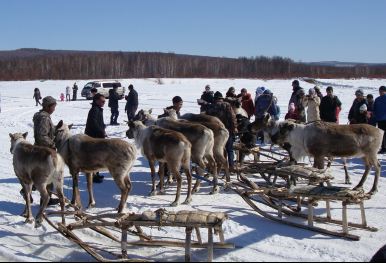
<point>304,30</point>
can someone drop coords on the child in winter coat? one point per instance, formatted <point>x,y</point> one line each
<point>291,112</point>
<point>61,97</point>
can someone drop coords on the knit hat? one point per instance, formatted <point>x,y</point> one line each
<point>363,108</point>
<point>295,82</point>
<point>311,91</point>
<point>359,92</point>
<point>218,95</point>
<point>48,101</point>
<point>260,90</point>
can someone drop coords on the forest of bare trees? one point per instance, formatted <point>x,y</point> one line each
<point>33,64</point>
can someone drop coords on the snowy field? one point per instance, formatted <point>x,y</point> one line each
<point>256,239</point>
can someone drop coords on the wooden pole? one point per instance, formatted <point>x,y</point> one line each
<point>328,209</point>
<point>197,229</point>
<point>188,242</point>
<point>279,209</point>
<point>344,217</point>
<point>210,244</point>
<point>310,214</point>
<point>124,243</point>
<point>363,214</point>
<point>221,235</point>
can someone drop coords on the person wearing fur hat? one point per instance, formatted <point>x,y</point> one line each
<point>312,102</point>
<point>358,110</point>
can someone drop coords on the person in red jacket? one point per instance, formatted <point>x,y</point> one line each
<point>247,102</point>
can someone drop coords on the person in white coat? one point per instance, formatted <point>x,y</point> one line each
<point>312,103</point>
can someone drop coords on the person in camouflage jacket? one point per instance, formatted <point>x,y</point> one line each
<point>44,129</point>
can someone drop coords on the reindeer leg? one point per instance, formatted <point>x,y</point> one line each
<point>45,197</point>
<point>152,170</point>
<point>27,196</point>
<point>124,184</point>
<point>213,167</point>
<point>364,177</point>
<point>59,191</point>
<point>346,175</point>
<point>177,175</point>
<point>75,190</point>
<point>91,199</point>
<point>161,173</point>
<point>189,177</point>
<point>377,166</point>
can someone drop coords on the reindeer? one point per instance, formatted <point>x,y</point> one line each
<point>201,138</point>
<point>39,166</point>
<point>165,146</point>
<point>324,139</point>
<point>83,153</point>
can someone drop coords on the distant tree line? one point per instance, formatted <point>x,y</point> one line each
<point>32,64</point>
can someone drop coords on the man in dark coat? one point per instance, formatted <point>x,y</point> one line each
<point>132,103</point>
<point>95,125</point>
<point>356,115</point>
<point>223,110</point>
<point>74,91</point>
<point>207,97</point>
<point>380,114</point>
<point>113,104</point>
<point>295,88</point>
<point>328,106</point>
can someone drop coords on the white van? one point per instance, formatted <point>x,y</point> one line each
<point>103,88</point>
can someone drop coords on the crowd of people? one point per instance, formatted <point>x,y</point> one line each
<point>302,107</point>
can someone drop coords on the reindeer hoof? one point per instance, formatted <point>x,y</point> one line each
<point>162,192</point>
<point>38,224</point>
<point>174,204</point>
<point>358,188</point>
<point>215,190</point>
<point>29,220</point>
<point>187,201</point>
<point>91,205</point>
<point>196,189</point>
<point>347,182</point>
<point>153,193</point>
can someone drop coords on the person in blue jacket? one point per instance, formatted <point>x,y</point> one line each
<point>266,103</point>
<point>380,114</point>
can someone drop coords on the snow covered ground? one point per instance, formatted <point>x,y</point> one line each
<point>256,238</point>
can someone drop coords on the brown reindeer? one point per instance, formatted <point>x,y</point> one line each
<point>220,134</point>
<point>165,146</point>
<point>83,153</point>
<point>39,166</point>
<point>201,138</point>
<point>324,139</point>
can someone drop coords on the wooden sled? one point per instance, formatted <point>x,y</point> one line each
<point>279,199</point>
<point>130,224</point>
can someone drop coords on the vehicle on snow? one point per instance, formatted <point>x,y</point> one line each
<point>103,88</point>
